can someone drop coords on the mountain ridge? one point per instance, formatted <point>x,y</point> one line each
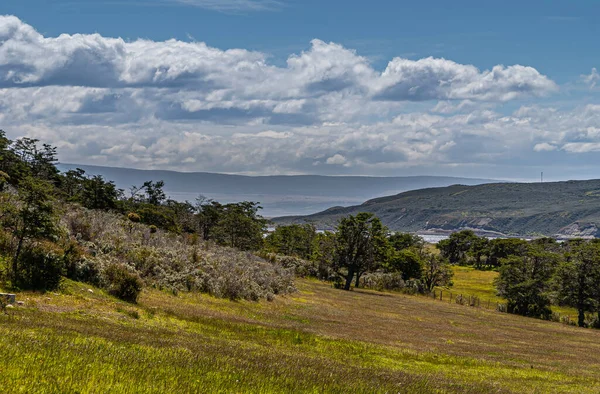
<point>279,194</point>
<point>562,209</point>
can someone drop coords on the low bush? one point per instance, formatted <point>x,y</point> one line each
<point>122,283</point>
<point>41,267</point>
<point>383,281</point>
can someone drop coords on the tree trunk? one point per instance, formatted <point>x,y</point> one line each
<point>357,282</point>
<point>349,279</point>
<point>15,265</point>
<point>581,317</point>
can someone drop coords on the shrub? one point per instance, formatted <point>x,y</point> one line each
<point>122,283</point>
<point>41,267</point>
<point>134,217</point>
<point>383,281</point>
<point>173,262</point>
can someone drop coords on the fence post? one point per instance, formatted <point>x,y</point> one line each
<point>441,295</point>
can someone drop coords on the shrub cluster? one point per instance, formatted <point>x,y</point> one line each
<point>167,260</point>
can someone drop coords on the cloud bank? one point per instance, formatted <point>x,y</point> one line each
<point>188,106</point>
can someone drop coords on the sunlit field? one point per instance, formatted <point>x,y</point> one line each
<point>319,339</point>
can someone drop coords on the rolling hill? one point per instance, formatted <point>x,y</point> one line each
<point>278,195</point>
<point>562,209</point>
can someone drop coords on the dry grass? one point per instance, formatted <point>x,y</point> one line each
<point>320,339</point>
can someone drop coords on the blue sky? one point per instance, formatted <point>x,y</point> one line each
<point>469,88</point>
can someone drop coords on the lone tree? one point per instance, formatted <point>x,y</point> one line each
<point>361,245</point>
<point>436,272</point>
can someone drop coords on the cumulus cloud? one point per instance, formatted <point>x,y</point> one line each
<point>441,79</point>
<point>188,106</point>
<point>336,159</point>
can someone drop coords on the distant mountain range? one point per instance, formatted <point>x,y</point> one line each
<point>562,209</point>
<point>279,195</point>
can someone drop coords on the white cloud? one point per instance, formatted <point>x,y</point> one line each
<point>544,147</point>
<point>336,159</point>
<point>431,78</point>
<point>232,5</point>
<point>592,79</point>
<point>581,147</point>
<point>187,106</point>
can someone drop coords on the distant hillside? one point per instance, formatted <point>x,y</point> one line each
<point>279,195</point>
<point>569,208</point>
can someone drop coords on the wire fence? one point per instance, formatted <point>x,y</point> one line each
<point>488,303</point>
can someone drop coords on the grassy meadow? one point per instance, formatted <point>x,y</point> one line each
<point>471,282</point>
<point>317,340</point>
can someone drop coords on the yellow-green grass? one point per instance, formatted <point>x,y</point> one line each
<point>318,340</point>
<point>471,282</point>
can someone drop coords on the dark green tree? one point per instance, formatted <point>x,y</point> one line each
<point>578,279</point>
<point>401,241</point>
<point>293,240</point>
<point>35,220</point>
<point>408,261</point>
<point>501,248</point>
<point>525,282</point>
<point>456,247</point>
<point>361,245</point>
<point>240,226</point>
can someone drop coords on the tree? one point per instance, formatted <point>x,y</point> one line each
<point>524,281</point>
<point>408,261</point>
<point>436,272</point>
<point>40,161</point>
<point>99,194</point>
<point>153,193</point>
<point>323,254</point>
<point>401,241</point>
<point>293,240</point>
<point>457,245</point>
<point>35,218</point>
<point>361,245</point>
<point>578,280</point>
<point>479,247</point>
<point>240,226</point>
<point>208,215</point>
<point>501,248</point>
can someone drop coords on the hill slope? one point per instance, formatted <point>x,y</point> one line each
<point>279,195</point>
<point>318,340</point>
<point>569,208</point>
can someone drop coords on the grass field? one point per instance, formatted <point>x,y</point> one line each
<point>318,340</point>
<point>471,282</point>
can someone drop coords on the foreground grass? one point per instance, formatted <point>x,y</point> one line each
<point>319,340</point>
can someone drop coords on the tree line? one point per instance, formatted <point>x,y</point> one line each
<point>536,274</point>
<point>361,245</point>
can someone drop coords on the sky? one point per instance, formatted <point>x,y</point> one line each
<point>501,90</point>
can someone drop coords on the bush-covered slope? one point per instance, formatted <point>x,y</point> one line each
<point>569,208</point>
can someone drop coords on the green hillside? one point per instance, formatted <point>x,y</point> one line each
<point>569,208</point>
